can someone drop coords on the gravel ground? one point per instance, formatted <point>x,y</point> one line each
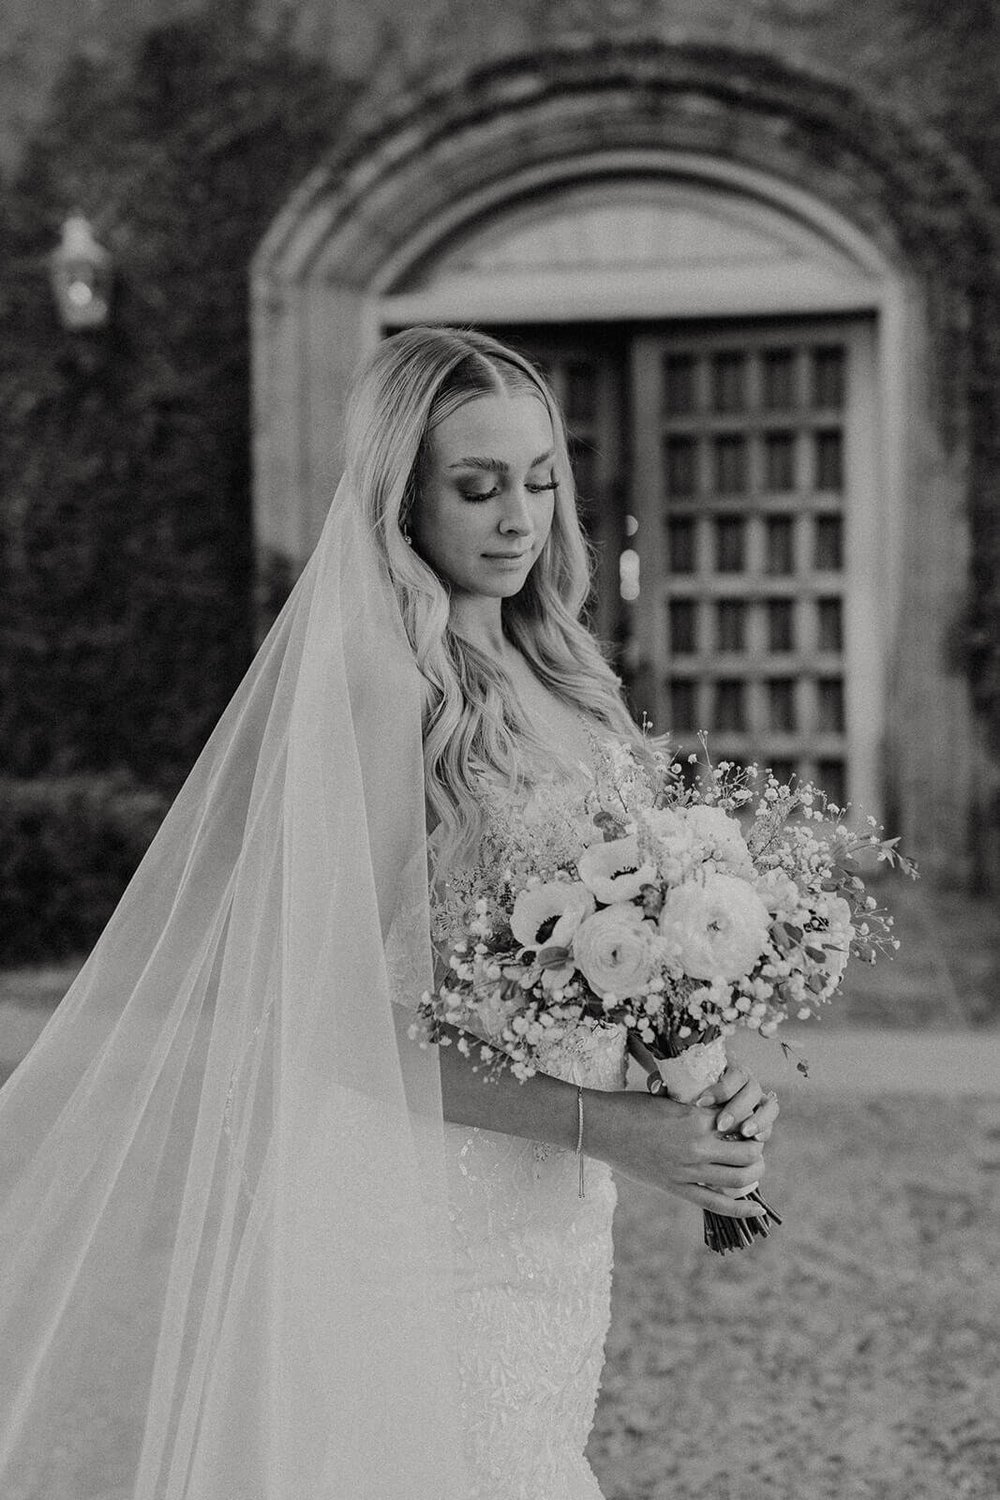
<point>854,1355</point>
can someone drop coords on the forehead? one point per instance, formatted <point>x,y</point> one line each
<point>516,429</point>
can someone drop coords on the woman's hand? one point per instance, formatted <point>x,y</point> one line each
<point>673,1147</point>
<point>745,1108</point>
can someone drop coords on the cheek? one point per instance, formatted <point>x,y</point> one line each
<point>546,520</point>
<point>449,538</point>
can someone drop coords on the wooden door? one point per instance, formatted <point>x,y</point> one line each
<point>587,368</point>
<point>754,484</point>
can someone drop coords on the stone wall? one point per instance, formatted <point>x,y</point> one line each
<point>884,108</point>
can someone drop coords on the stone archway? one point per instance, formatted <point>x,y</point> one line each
<point>380,224</point>
<point>399,184</point>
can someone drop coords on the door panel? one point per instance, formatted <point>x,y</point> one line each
<point>587,370</point>
<point>756,619</point>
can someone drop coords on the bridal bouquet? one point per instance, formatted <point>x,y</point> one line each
<point>674,901</point>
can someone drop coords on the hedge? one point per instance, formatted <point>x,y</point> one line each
<point>68,848</point>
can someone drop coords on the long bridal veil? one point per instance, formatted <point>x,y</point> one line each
<point>223,1227</point>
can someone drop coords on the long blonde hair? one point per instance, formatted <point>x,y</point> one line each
<point>472,722</point>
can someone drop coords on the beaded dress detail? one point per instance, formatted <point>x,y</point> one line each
<point>533,1291</point>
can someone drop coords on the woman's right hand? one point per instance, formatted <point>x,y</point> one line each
<point>673,1147</point>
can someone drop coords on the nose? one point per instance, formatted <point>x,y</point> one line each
<point>516,519</point>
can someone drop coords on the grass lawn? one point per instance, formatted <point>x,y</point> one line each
<point>853,1356</point>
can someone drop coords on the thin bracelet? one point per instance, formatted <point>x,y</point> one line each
<point>579,1134</point>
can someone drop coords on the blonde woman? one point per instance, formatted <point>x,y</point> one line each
<point>485,549</point>
<point>256,1242</point>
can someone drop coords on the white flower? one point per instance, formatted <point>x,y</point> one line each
<point>615,871</point>
<point>838,912</point>
<point>779,893</point>
<point>561,903</point>
<point>667,837</point>
<point>721,835</point>
<point>719,924</point>
<point>836,940</point>
<point>836,963</point>
<point>614,951</point>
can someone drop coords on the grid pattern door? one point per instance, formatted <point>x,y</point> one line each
<point>586,368</point>
<point>752,475</point>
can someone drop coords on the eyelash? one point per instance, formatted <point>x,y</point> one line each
<point>536,489</point>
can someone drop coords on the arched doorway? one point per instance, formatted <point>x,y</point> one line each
<point>715,351</point>
<point>720,286</point>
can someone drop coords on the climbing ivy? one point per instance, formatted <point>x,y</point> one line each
<point>126,572</point>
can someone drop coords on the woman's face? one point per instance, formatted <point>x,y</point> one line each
<point>487,495</point>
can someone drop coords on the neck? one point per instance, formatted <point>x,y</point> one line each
<point>480,622</point>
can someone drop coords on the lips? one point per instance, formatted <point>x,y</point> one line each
<point>506,556</point>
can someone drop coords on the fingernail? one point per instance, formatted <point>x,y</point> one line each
<point>705,1100</point>
<point>725,1122</point>
<point>749,1127</point>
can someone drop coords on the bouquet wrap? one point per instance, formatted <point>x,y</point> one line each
<point>694,1070</point>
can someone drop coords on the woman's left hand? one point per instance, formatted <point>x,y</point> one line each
<point>744,1108</point>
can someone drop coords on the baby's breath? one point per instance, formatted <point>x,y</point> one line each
<point>787,845</point>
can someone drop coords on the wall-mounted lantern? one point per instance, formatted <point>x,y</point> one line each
<point>82,277</point>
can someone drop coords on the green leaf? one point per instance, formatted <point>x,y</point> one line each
<point>552,957</point>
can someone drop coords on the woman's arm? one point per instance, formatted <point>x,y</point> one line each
<point>672,1147</point>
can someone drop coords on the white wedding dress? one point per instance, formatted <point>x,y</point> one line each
<point>533,1278</point>
<point>533,1291</point>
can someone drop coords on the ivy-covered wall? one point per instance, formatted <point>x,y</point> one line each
<point>126,582</point>
<point>953,61</point>
<point>126,558</point>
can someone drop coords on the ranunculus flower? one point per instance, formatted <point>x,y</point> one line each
<point>615,871</point>
<point>718,925</point>
<point>567,902</point>
<point>614,952</point>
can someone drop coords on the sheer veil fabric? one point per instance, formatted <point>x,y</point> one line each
<point>223,1218</point>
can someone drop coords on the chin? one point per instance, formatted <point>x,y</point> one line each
<point>501,590</point>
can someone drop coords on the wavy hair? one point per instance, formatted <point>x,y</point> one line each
<point>473,724</point>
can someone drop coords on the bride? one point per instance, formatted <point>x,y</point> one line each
<point>258,1245</point>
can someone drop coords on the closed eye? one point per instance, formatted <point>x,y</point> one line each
<point>533,489</point>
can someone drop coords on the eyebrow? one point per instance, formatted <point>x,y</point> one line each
<point>497,465</point>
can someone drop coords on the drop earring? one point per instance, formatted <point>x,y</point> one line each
<point>405,529</point>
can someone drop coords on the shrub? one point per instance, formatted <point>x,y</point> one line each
<point>68,847</point>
